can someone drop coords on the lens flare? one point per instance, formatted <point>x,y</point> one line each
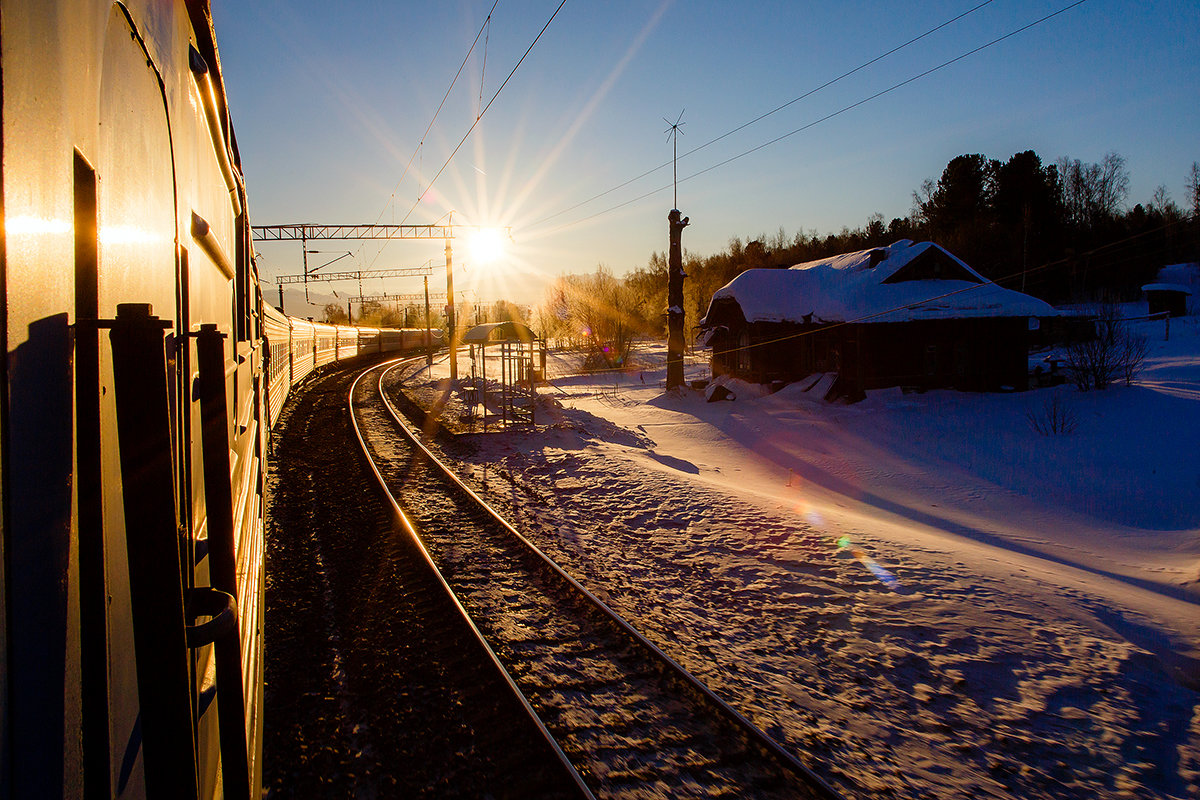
<point>845,544</point>
<point>487,246</point>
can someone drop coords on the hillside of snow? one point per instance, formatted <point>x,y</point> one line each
<point>919,593</point>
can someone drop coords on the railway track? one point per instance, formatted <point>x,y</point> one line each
<point>632,722</point>
<point>376,685</point>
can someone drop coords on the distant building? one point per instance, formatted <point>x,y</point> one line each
<point>903,315</point>
<point>1168,298</point>
<point>1175,290</point>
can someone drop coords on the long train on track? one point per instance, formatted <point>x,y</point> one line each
<point>141,374</point>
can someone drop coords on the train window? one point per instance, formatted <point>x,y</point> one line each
<point>87,270</point>
<point>242,289</point>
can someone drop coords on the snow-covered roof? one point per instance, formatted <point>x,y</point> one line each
<point>1187,274</point>
<point>874,286</point>
<point>1166,287</point>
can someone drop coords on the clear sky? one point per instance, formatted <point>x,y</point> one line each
<point>331,101</point>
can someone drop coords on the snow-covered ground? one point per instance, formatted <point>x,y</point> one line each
<point>919,593</point>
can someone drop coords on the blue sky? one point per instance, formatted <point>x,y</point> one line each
<point>330,102</point>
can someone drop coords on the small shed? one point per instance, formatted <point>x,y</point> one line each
<point>903,315</point>
<point>522,365</point>
<point>1167,297</point>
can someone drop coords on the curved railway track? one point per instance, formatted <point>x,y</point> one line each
<point>375,685</point>
<point>632,721</point>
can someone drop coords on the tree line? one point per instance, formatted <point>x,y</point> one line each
<point>1060,231</point>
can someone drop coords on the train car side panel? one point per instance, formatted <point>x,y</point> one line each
<point>347,342</point>
<point>113,154</point>
<point>326,344</point>
<point>303,349</point>
<point>41,128</point>
<point>277,329</point>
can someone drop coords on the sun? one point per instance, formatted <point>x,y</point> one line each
<point>486,246</point>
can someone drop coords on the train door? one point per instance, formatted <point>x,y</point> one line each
<point>139,562</point>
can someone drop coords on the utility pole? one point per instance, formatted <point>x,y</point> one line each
<point>675,278</point>
<point>450,309</point>
<point>675,275</point>
<point>428,337</point>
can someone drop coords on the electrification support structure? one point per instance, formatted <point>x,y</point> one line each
<point>303,233</point>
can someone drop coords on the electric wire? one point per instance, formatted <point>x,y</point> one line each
<point>833,114</point>
<point>485,110</point>
<point>483,67</point>
<point>485,26</point>
<point>777,109</point>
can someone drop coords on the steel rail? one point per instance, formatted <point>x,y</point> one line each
<point>406,523</point>
<point>741,721</point>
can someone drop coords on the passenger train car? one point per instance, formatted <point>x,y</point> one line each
<point>297,347</point>
<point>141,374</point>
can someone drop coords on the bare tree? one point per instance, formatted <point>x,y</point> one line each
<point>1193,187</point>
<point>594,313</point>
<point>1093,193</point>
<point>1116,352</point>
<point>1162,199</point>
<point>1132,355</point>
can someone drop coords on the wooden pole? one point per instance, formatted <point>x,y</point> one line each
<point>428,333</point>
<point>675,319</point>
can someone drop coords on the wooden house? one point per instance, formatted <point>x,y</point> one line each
<point>1168,298</point>
<point>910,315</point>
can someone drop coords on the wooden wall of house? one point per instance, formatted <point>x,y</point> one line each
<point>984,354</point>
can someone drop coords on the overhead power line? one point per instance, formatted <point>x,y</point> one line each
<point>485,26</point>
<point>775,110</point>
<point>837,113</point>
<point>359,275</point>
<point>485,109</point>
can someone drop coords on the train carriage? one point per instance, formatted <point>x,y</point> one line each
<point>325,347</point>
<point>410,339</point>
<point>303,349</point>
<point>277,329</point>
<point>347,342</point>
<point>141,376</point>
<point>368,341</point>
<point>132,417</point>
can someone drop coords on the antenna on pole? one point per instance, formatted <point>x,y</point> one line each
<point>675,275</point>
<point>674,133</point>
